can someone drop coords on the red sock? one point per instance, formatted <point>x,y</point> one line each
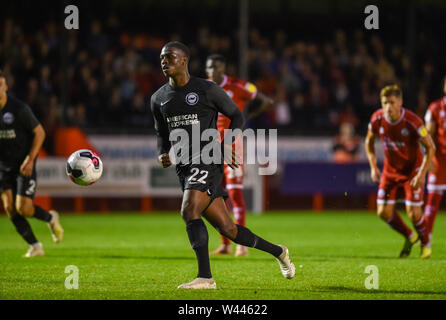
<point>398,224</point>
<point>225,240</point>
<point>421,227</point>
<point>431,209</point>
<point>238,205</point>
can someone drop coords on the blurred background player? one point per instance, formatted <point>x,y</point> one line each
<point>405,166</point>
<point>436,125</point>
<point>346,144</point>
<point>21,137</point>
<point>241,92</point>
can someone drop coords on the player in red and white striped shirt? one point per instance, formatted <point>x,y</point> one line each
<point>241,92</point>
<point>405,167</point>
<point>436,182</point>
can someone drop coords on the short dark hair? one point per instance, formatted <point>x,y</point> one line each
<point>217,57</point>
<point>179,45</point>
<point>2,74</point>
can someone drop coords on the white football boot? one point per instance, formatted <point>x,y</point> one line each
<point>199,283</point>
<point>35,250</point>
<point>286,266</point>
<point>55,227</point>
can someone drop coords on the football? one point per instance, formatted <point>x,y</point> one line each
<point>84,167</point>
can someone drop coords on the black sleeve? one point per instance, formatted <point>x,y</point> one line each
<point>28,119</point>
<point>162,132</point>
<point>226,106</point>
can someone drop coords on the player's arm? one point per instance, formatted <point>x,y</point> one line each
<point>265,104</point>
<point>432,130</point>
<point>227,107</point>
<point>375,173</point>
<point>429,146</point>
<point>30,122</point>
<point>26,168</point>
<point>162,135</point>
<point>430,120</point>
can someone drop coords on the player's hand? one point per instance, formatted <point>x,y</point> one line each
<point>164,160</point>
<point>231,158</point>
<point>418,181</point>
<point>26,169</point>
<point>375,174</point>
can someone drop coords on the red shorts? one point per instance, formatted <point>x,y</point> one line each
<point>233,177</point>
<point>393,189</point>
<point>436,180</point>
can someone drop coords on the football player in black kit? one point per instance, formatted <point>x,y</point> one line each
<point>184,102</point>
<point>21,137</point>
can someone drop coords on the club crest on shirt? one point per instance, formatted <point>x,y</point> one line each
<point>381,130</point>
<point>404,132</point>
<point>8,118</point>
<point>192,98</point>
<point>442,113</point>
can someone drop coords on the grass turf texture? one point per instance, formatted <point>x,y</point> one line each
<point>130,256</point>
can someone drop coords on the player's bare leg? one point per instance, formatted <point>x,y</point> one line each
<point>26,208</point>
<point>415,214</point>
<point>22,225</point>
<point>218,216</point>
<point>194,203</point>
<point>388,213</point>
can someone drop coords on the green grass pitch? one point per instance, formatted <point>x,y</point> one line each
<point>135,256</point>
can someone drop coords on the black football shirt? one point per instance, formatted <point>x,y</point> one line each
<point>17,123</point>
<point>196,103</point>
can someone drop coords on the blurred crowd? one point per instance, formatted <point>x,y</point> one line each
<point>109,74</point>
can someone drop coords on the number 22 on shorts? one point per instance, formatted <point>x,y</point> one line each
<point>195,172</point>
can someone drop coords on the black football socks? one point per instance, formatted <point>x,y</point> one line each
<point>199,238</point>
<point>41,214</point>
<point>24,229</point>
<point>248,239</point>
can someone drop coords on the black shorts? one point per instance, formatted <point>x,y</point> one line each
<point>21,185</point>
<point>202,177</point>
